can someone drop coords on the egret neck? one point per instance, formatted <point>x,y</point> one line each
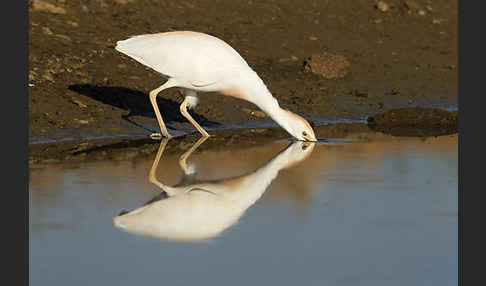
<point>257,92</point>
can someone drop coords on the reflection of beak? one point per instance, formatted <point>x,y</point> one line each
<point>306,145</point>
<point>308,138</point>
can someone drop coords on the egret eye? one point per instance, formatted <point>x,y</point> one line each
<point>304,133</point>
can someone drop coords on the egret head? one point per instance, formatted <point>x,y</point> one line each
<point>298,127</point>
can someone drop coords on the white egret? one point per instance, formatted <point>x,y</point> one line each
<point>197,62</point>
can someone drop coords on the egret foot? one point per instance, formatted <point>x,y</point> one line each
<point>158,136</point>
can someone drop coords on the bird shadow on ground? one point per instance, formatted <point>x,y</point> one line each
<point>137,103</point>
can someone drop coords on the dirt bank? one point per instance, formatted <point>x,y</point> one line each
<point>399,55</point>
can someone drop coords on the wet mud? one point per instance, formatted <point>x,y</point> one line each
<point>415,122</point>
<point>120,149</point>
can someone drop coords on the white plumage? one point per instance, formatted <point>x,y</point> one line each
<point>197,62</point>
<point>202,210</point>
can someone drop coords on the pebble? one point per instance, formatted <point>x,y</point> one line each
<point>63,37</point>
<point>256,113</point>
<point>437,21</point>
<point>412,5</point>
<point>47,31</point>
<point>39,5</point>
<point>48,76</point>
<point>74,24</point>
<point>82,121</point>
<point>382,6</point>
<point>79,103</point>
<point>123,2</point>
<point>292,59</point>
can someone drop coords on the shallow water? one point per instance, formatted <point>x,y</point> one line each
<point>373,212</point>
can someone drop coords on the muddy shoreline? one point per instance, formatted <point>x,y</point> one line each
<point>130,148</point>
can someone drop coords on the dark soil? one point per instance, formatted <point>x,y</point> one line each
<point>414,121</point>
<point>79,85</point>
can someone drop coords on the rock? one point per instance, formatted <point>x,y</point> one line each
<point>32,75</point>
<point>74,24</point>
<point>357,93</point>
<point>415,122</point>
<point>123,2</point>
<point>382,6</point>
<point>416,117</point>
<point>48,76</point>
<point>291,59</point>
<point>67,38</point>
<point>81,74</point>
<point>47,31</point>
<point>39,5</point>
<point>81,121</point>
<point>259,114</point>
<point>328,65</point>
<point>412,5</point>
<point>437,21</point>
<point>79,103</point>
<point>102,3</point>
<point>256,113</point>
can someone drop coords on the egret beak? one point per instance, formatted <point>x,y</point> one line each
<point>308,138</point>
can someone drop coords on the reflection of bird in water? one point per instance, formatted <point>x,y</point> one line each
<point>197,62</point>
<point>193,211</point>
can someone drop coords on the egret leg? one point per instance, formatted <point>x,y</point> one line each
<point>153,99</point>
<point>186,114</point>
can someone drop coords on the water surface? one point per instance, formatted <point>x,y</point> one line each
<point>372,212</point>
